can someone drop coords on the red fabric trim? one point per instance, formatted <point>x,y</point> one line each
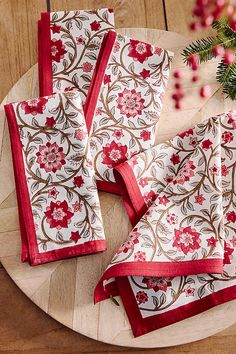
<point>133,199</point>
<point>141,325</point>
<point>157,269</point>
<point>109,187</point>
<point>44,56</point>
<point>28,235</point>
<point>110,289</point>
<point>96,82</point>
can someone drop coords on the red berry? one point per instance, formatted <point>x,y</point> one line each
<point>178,105</point>
<point>194,26</point>
<point>178,86</point>
<point>232,25</point>
<point>202,3</point>
<point>198,11</point>
<point>195,78</point>
<point>205,91</point>
<point>208,21</point>
<point>229,57</point>
<point>218,51</point>
<point>177,74</point>
<point>175,97</point>
<point>230,10</point>
<point>220,3</point>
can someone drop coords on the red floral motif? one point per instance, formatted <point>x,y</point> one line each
<point>232,120</point>
<point>143,182</point>
<point>172,219</point>
<point>157,284</point>
<point>78,181</point>
<point>211,241</point>
<point>80,40</point>
<point>186,239</point>
<point>132,240</point>
<point>231,216</point>
<point>158,50</point>
<point>149,198</point>
<point>141,297</point>
<point>57,50</point>
<point>53,193</point>
<point>80,134</point>
<point>116,47</point>
<point>133,160</point>
<point>193,141</point>
<point>145,73</point>
<point>75,236</point>
<point>175,159</point>
<point>227,137</point>
<point>139,51</point>
<point>163,200</point>
<point>189,291</point>
<point>55,28</point>
<point>185,173</point>
<point>76,206</point>
<point>87,67</point>
<point>95,26</point>
<point>206,144</point>
<point>199,199</point>
<point>107,79</point>
<point>114,154</point>
<point>98,111</point>
<point>58,215</point>
<point>169,178</point>
<point>228,251</point>
<point>50,157</point>
<point>34,106</point>
<point>215,170</point>
<point>118,133</point>
<point>145,135</point>
<point>233,241</point>
<point>130,103</point>
<point>186,133</point>
<point>140,256</point>
<point>224,170</point>
<point>50,121</point>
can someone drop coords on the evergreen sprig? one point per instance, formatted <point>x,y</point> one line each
<point>204,48</point>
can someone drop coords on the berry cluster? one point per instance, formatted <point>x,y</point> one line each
<point>220,14</point>
<point>207,11</point>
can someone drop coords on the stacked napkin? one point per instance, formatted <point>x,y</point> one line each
<point>68,47</point>
<point>59,209</point>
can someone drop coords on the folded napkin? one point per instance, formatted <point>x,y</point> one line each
<point>58,203</point>
<point>124,103</point>
<point>179,259</point>
<point>69,43</point>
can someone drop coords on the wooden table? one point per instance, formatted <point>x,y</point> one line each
<point>34,331</point>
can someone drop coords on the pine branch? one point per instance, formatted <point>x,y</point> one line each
<point>202,47</point>
<point>226,74</point>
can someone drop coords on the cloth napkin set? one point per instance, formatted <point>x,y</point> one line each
<point>93,128</point>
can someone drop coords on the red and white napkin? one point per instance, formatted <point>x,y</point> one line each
<point>58,203</point>
<point>124,102</point>
<point>179,259</point>
<point>69,44</point>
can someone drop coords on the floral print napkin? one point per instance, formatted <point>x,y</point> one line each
<point>180,258</point>
<point>58,202</point>
<point>124,103</point>
<point>69,44</point>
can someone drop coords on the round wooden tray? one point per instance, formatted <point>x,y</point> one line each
<point>64,289</point>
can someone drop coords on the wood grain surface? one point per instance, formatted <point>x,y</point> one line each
<point>23,327</point>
